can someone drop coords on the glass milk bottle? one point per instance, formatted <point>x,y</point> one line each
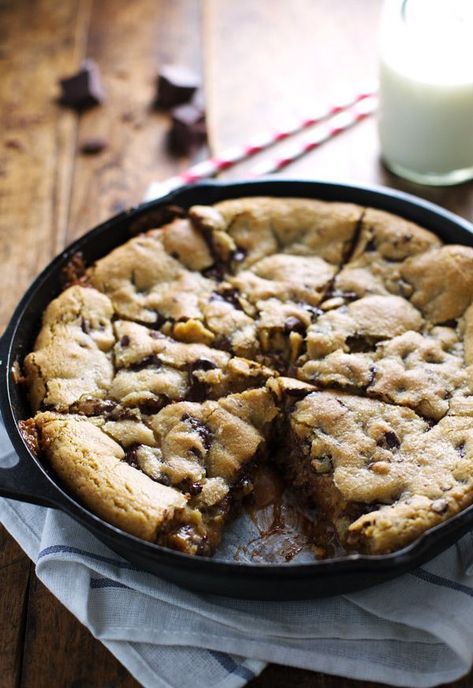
<point>426,89</point>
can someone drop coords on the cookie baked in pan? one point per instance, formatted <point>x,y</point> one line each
<point>328,338</point>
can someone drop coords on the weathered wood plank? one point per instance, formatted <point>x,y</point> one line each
<point>59,651</point>
<point>36,153</point>
<point>14,577</point>
<point>36,136</point>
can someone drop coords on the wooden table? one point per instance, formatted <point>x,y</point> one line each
<point>262,61</point>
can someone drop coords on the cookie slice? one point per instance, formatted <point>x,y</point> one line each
<point>385,241</point>
<point>380,472</point>
<point>71,356</point>
<point>156,276</point>
<point>92,466</point>
<point>245,230</point>
<point>439,485</point>
<point>153,369</point>
<point>173,480</point>
<point>383,358</point>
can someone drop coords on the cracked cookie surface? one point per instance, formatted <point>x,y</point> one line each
<point>331,339</point>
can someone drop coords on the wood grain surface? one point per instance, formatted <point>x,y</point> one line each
<point>263,62</point>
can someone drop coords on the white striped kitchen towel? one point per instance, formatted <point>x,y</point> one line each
<point>412,632</point>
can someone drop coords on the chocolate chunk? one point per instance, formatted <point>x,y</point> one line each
<point>373,371</point>
<point>293,324</point>
<point>313,310</point>
<point>152,406</point>
<point>389,441</point>
<point>197,388</point>
<point>229,295</point>
<point>149,361</point>
<point>74,271</point>
<point>298,392</point>
<point>359,344</point>
<point>93,145</point>
<point>125,340</point>
<point>201,364</point>
<point>124,413</point>
<point>131,458</point>
<point>188,130</point>
<point>215,272</point>
<point>191,488</point>
<point>200,428</point>
<point>156,325</point>
<point>461,449</point>
<point>84,89</point>
<point>93,407</point>
<point>175,85</point>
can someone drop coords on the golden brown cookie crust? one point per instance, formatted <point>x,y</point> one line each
<point>193,351</point>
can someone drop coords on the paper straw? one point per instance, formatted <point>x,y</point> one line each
<point>231,156</point>
<point>339,123</point>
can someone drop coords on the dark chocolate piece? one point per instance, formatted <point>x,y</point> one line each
<point>358,344</point>
<point>84,89</point>
<point>175,85</point>
<point>389,441</point>
<point>293,324</point>
<point>93,145</point>
<point>149,361</point>
<point>74,271</point>
<point>130,456</point>
<point>197,388</point>
<point>200,428</point>
<point>228,295</point>
<point>188,130</point>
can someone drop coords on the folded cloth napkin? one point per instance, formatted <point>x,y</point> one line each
<point>413,631</point>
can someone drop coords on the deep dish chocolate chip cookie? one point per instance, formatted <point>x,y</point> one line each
<point>331,340</point>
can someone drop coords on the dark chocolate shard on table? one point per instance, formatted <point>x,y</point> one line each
<point>83,89</point>
<point>188,129</point>
<point>175,85</point>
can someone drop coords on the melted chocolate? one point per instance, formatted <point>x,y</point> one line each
<point>197,389</point>
<point>200,428</point>
<point>389,441</point>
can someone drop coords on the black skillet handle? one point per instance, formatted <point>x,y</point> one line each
<point>25,480</point>
<point>26,483</point>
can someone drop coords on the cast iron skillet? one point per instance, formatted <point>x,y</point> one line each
<point>31,481</point>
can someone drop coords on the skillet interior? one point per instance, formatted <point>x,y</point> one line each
<point>32,482</point>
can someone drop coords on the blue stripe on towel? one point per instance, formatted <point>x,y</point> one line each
<point>442,582</point>
<point>231,666</point>
<point>54,549</point>
<point>97,583</point>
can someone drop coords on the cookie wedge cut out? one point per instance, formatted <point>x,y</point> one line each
<point>173,480</point>
<point>379,472</point>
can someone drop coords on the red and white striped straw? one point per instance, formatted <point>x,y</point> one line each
<point>339,123</point>
<point>232,156</point>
